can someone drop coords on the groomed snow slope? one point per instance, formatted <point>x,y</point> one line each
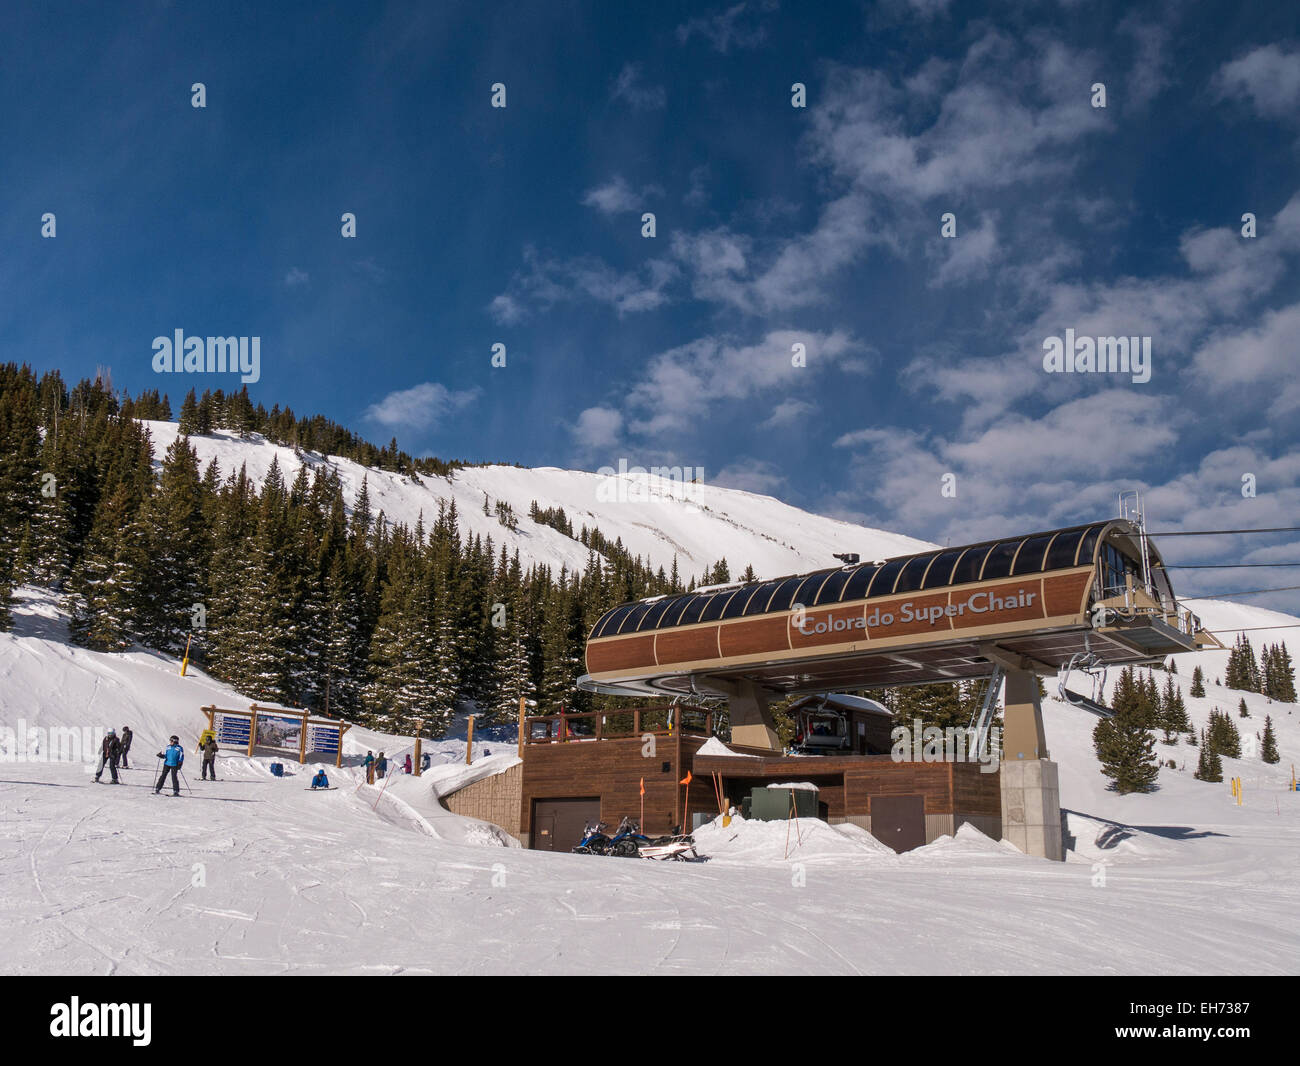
<point>255,874</point>
<point>700,524</point>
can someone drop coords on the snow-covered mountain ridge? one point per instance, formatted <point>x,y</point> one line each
<point>656,518</point>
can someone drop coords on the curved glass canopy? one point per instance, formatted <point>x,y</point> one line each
<point>1034,553</point>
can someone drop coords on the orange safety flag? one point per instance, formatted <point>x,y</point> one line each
<point>685,780</point>
<point>643,786</point>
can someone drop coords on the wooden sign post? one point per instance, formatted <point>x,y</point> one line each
<point>419,746</point>
<point>469,739</point>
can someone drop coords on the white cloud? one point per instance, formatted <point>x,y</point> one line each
<point>788,413</point>
<point>629,88</point>
<point>598,428</point>
<point>296,278</point>
<point>751,475</point>
<point>1149,74</point>
<point>1268,77</point>
<point>1258,362</point>
<point>544,283</point>
<point>735,27</point>
<point>682,384</point>
<point>968,256</point>
<point>1019,474</point>
<point>613,198</point>
<point>1224,276</point>
<point>421,407</point>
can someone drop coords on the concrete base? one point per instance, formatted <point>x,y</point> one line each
<point>1031,807</point>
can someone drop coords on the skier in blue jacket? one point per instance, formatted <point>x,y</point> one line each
<point>320,780</point>
<point>173,760</point>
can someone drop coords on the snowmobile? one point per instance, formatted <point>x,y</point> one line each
<point>674,848</point>
<point>594,840</point>
<point>627,840</point>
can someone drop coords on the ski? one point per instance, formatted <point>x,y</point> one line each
<point>332,788</point>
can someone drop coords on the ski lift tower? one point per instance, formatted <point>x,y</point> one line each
<point>1130,507</point>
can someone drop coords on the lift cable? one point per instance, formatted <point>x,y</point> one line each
<point>1223,532</point>
<point>1219,566</point>
<point>1249,629</point>
<point>1252,592</point>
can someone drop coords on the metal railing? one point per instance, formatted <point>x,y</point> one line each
<point>576,726</point>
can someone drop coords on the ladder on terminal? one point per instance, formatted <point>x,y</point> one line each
<point>979,723</point>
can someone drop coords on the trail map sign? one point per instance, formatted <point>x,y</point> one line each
<point>277,729</point>
<point>275,732</point>
<point>231,729</point>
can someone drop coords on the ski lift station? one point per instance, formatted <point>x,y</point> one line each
<point>1083,598</point>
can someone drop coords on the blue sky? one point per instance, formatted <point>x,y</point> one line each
<point>775,226</point>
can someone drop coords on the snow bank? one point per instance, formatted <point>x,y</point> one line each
<point>452,777</point>
<point>752,842</point>
<point>966,844</point>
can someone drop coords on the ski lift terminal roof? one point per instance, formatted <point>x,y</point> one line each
<point>940,614</point>
<point>1035,553</point>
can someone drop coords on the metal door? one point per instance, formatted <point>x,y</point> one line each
<point>898,821</point>
<point>558,823</point>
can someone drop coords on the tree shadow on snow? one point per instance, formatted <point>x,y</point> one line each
<point>1116,833</point>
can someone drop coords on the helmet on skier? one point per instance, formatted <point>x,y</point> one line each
<point>111,733</point>
<point>174,740</point>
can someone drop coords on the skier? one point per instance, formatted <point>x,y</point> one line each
<point>408,762</point>
<point>209,749</point>
<point>109,752</point>
<point>320,780</point>
<point>381,766</point>
<point>173,760</point>
<point>370,767</point>
<point>127,737</point>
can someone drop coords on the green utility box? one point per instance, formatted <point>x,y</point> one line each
<point>773,804</point>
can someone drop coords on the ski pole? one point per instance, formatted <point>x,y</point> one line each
<point>185,779</point>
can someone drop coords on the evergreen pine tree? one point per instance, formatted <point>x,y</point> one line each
<point>1198,683</point>
<point>1268,747</point>
<point>1124,746</point>
<point>1209,767</point>
<point>178,544</point>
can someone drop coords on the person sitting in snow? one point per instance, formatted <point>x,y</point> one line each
<point>425,760</point>
<point>320,780</point>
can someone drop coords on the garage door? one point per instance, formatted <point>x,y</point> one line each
<point>898,821</point>
<point>558,823</point>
